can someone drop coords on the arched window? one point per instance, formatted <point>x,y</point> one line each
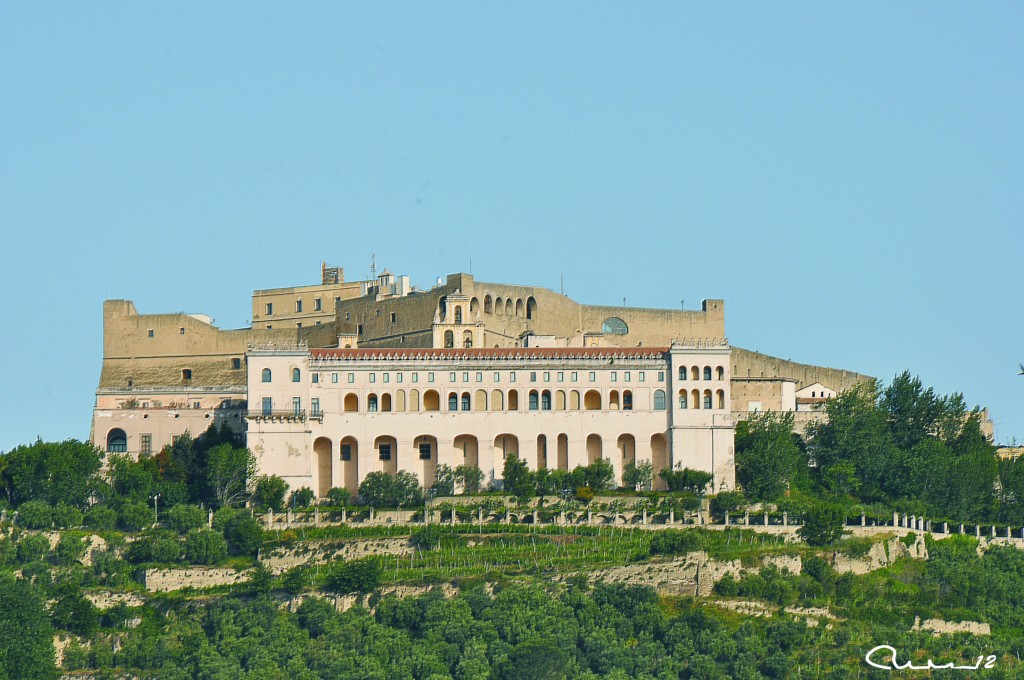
<point>682,399</point>
<point>296,375</point>
<point>117,441</point>
<point>458,314</point>
<point>508,307</point>
<point>385,403</point>
<point>371,403</point>
<point>534,403</point>
<point>682,372</point>
<point>707,373</point>
<point>721,373</point>
<point>560,400</point>
<point>481,401</point>
<point>659,400</point>
<point>721,399</point>
<point>453,402</point>
<point>513,400</point>
<point>400,401</point>
<point>499,306</point>
<point>414,400</point>
<point>531,308</point>
<point>467,339</point>
<point>695,373</point>
<point>519,308</point>
<point>465,401</point>
<point>545,400</point>
<point>695,399</point>
<point>351,403</point>
<point>497,400</point>
<point>592,400</point>
<point>627,400</point>
<point>574,400</point>
<point>488,304</point>
<point>613,325</point>
<point>474,307</point>
<point>431,401</point>
<point>707,399</point>
<point>449,339</point>
<point>613,400</point>
<point>266,375</point>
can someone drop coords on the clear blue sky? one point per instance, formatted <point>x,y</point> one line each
<point>847,177</point>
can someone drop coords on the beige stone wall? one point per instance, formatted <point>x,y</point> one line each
<point>770,393</point>
<point>747,364</point>
<point>283,304</point>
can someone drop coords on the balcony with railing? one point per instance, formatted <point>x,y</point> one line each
<point>288,415</point>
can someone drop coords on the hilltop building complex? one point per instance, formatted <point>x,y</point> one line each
<point>337,380</point>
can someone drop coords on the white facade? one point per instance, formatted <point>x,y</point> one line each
<point>326,418</point>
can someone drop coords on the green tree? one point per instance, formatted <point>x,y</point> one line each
<point>269,493</point>
<point>244,534</point>
<point>823,524</point>
<point>101,518</point>
<point>362,575</point>
<point>50,471</point>
<point>205,546</point>
<point>27,649</point>
<point>767,455</point>
<point>72,612</point>
<point>184,517</point>
<point>518,480</point>
<point>381,490</point>
<point>469,477</point>
<point>339,497</point>
<point>638,477</point>
<point>229,472</point>
<point>301,498</point>
<point>70,549</point>
<point>135,516</point>
<point>67,516</point>
<point>32,548</point>
<point>35,515</point>
<point>444,481</point>
<point>158,546</point>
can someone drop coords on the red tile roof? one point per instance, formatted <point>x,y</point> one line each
<point>476,353</point>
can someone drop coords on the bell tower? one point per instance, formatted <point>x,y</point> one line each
<point>453,327</point>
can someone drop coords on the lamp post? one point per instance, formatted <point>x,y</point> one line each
<point>431,493</point>
<point>156,515</point>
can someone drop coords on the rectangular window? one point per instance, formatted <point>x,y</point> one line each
<point>387,377</point>
<point>150,332</point>
<point>661,376</point>
<point>547,376</point>
<point>416,377</point>
<point>298,324</point>
<point>465,377</point>
<point>430,377</point>
<point>334,378</point>
<point>314,407</point>
<point>593,376</point>
<point>270,309</point>
<point>398,377</point>
<point>181,330</point>
<point>479,377</point>
<point>348,316</point>
<point>451,377</point>
<point>317,323</point>
<point>268,406</point>
<point>394,317</point>
<point>615,376</point>
<point>316,378</point>
<point>298,305</point>
<point>641,376</point>
<point>296,405</point>
<point>196,404</point>
<point>351,378</point>
<point>373,377</point>
<point>533,376</point>
<point>497,376</point>
<point>145,443</point>
<point>626,377</point>
<point>512,376</point>
<point>377,312</point>
<point>359,329</point>
<point>561,376</point>
<point>385,452</point>
<point>424,450</point>
<point>574,376</point>
<point>236,363</point>
<point>346,452</point>
<point>318,305</point>
<point>186,374</point>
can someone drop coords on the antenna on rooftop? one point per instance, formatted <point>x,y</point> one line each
<point>682,304</point>
<point>561,282</point>
<point>373,265</point>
